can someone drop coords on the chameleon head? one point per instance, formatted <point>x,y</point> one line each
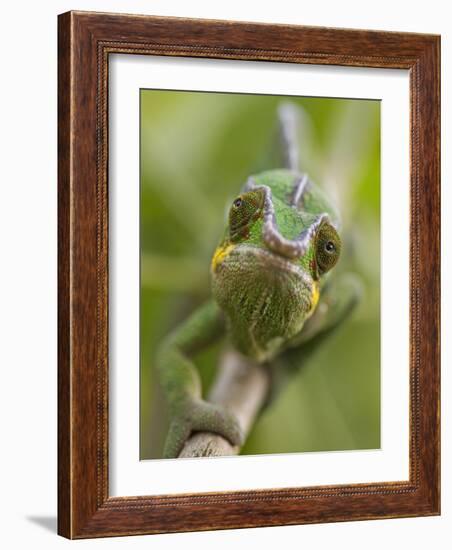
<point>280,240</point>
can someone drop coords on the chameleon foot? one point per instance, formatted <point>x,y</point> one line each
<point>200,416</point>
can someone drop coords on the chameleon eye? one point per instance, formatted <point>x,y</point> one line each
<point>327,248</point>
<point>244,211</point>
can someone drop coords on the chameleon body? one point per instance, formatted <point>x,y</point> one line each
<point>271,289</point>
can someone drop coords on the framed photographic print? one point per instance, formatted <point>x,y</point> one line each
<point>248,274</point>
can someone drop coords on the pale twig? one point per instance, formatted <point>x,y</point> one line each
<point>241,386</point>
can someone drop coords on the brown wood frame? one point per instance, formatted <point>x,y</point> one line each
<point>85,41</point>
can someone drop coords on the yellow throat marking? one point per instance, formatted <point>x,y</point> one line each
<point>220,254</point>
<point>315,297</point>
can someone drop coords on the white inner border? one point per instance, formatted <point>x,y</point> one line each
<point>129,475</point>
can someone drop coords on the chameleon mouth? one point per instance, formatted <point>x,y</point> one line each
<point>269,261</point>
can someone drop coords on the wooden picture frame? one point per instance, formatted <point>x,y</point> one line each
<point>85,41</point>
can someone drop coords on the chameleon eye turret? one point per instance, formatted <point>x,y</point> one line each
<point>327,248</point>
<point>244,211</point>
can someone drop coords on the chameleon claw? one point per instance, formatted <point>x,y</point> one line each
<point>200,416</point>
<point>207,417</point>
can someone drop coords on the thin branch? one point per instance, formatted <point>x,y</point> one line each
<point>242,387</point>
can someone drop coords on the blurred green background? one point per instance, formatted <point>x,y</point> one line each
<point>197,150</point>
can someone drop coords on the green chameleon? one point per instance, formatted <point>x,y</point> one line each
<point>272,293</point>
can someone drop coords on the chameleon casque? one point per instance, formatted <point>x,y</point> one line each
<point>273,288</point>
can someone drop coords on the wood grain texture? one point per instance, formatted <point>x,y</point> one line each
<point>64,296</point>
<point>85,42</point>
